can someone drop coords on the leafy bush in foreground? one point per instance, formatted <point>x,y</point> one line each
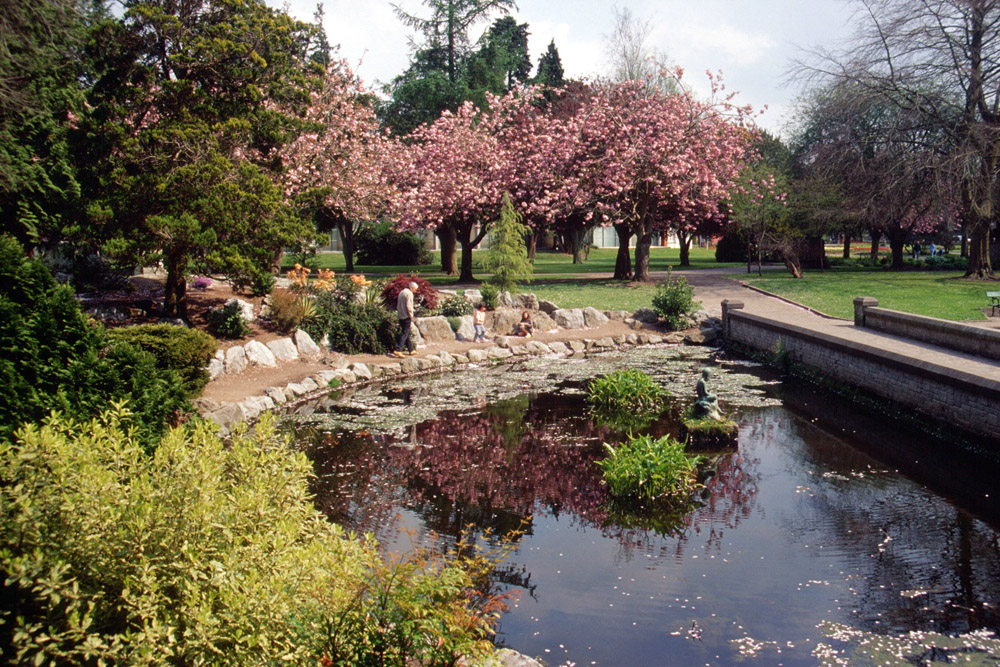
<point>650,470</point>
<point>202,553</point>
<point>53,358</point>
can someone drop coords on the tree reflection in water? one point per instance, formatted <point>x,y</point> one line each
<point>494,467</point>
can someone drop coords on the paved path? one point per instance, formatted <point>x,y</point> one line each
<point>711,288</point>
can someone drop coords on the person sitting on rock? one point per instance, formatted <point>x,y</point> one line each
<point>525,327</point>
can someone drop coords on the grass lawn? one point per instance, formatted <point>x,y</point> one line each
<point>547,264</point>
<point>941,294</point>
<point>601,294</point>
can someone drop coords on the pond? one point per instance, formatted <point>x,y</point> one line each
<point>824,536</point>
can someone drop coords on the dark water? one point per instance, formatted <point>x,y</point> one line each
<point>820,514</point>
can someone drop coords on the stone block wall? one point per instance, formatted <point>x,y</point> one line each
<point>968,401</point>
<point>974,340</point>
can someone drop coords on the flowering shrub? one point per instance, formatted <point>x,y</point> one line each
<point>299,275</point>
<point>426,295</point>
<point>201,282</point>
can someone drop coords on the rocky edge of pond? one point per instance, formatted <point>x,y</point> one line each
<point>431,331</point>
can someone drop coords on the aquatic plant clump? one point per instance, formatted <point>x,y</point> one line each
<point>631,391</point>
<point>647,469</point>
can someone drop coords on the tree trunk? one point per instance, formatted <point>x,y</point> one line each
<point>793,264</point>
<point>464,236</point>
<point>685,240</point>
<point>876,242</point>
<point>847,247</point>
<point>346,229</point>
<point>532,241</point>
<point>643,242</point>
<point>979,252</point>
<point>576,236</point>
<point>896,242</point>
<point>175,291</point>
<point>623,263</point>
<point>449,261</point>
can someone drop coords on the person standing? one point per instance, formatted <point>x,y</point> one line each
<point>479,323</point>
<point>404,311</point>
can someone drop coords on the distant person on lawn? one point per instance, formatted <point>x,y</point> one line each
<point>404,311</point>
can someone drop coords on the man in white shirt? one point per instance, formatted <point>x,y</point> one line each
<point>404,311</point>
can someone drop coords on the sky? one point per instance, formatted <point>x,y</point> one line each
<point>752,42</point>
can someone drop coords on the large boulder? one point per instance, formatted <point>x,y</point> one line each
<point>305,345</point>
<point>543,322</point>
<point>435,329</point>
<point>617,315</point>
<point>501,321</point>
<point>236,359</point>
<point>547,307</point>
<point>594,318</point>
<point>246,308</point>
<point>505,299</point>
<point>473,296</point>
<point>258,354</point>
<point>215,368</point>
<point>527,301</point>
<point>466,331</point>
<point>647,315</point>
<point>569,318</point>
<point>283,349</point>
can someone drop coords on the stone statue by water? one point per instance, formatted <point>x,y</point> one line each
<point>707,405</point>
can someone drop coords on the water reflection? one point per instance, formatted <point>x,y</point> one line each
<point>802,523</point>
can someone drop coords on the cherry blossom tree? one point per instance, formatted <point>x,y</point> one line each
<point>453,180</point>
<point>666,159</point>
<point>340,171</point>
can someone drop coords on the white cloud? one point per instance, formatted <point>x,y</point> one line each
<point>723,42</point>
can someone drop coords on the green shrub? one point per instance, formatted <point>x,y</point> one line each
<point>491,296</point>
<point>261,283</point>
<point>629,391</point>
<point>186,351</point>
<point>227,321</point>
<point>674,302</point>
<point>425,296</point>
<point>354,328</point>
<point>53,358</point>
<point>382,245</point>
<point>205,553</point>
<point>455,323</point>
<point>650,470</point>
<point>455,306</point>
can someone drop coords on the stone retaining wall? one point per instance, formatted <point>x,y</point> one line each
<point>952,396</point>
<point>974,340</point>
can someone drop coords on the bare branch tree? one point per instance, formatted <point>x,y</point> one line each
<point>940,60</point>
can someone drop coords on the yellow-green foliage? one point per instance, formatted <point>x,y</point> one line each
<point>198,554</point>
<point>206,553</point>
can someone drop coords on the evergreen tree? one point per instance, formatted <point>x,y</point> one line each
<point>550,69</point>
<point>41,61</point>
<point>190,107</point>
<point>507,257</point>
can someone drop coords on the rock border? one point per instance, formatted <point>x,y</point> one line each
<point>507,349</point>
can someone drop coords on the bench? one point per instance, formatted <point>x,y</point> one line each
<point>994,298</point>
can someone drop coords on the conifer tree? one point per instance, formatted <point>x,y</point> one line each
<point>507,258</point>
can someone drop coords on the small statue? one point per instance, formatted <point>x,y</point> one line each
<point>707,405</point>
